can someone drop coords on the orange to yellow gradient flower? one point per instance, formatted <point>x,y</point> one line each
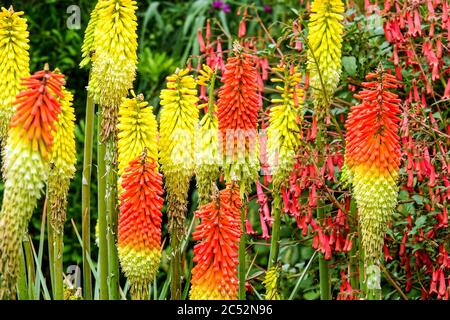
<point>139,238</point>
<point>216,255</point>
<point>372,158</point>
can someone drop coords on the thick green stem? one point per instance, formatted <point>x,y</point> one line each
<point>102,220</point>
<point>51,252</point>
<point>353,254</point>
<point>22,292</point>
<point>325,282</point>
<point>58,266</point>
<point>275,241</point>
<point>31,272</point>
<point>86,196</point>
<point>112,220</point>
<point>175,284</point>
<point>242,254</point>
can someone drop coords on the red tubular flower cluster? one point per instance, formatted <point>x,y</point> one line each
<point>139,237</point>
<point>215,275</point>
<point>238,98</point>
<point>37,109</point>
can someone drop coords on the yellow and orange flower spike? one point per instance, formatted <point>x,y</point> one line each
<point>138,130</point>
<point>215,275</point>
<point>284,131</point>
<point>14,63</point>
<point>372,158</point>
<point>139,238</point>
<point>324,51</point>
<point>114,66</point>
<point>62,163</point>
<point>238,108</point>
<point>27,156</point>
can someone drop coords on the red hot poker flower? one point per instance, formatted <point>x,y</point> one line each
<point>215,275</point>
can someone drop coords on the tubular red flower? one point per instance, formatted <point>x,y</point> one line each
<point>139,238</point>
<point>215,275</point>
<point>37,110</point>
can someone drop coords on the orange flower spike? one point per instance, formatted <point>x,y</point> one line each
<point>139,237</point>
<point>237,113</point>
<point>216,255</point>
<point>372,158</point>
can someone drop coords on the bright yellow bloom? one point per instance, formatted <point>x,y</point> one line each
<point>324,52</point>
<point>14,63</point>
<point>284,129</point>
<point>114,66</point>
<point>271,283</point>
<point>138,129</point>
<point>62,162</point>
<point>205,76</point>
<point>178,121</point>
<point>88,47</point>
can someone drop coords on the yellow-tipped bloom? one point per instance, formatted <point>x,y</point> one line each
<point>207,168</point>
<point>14,63</point>
<point>88,47</point>
<point>324,52</point>
<point>284,129</point>
<point>271,283</point>
<point>138,130</point>
<point>114,66</point>
<point>62,162</point>
<point>178,121</point>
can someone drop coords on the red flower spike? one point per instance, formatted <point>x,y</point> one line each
<point>37,109</point>
<point>216,255</point>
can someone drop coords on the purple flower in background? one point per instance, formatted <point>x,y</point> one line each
<point>226,8</point>
<point>267,8</point>
<point>217,4</point>
<point>220,5</point>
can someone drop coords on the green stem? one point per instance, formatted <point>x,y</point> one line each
<point>175,284</point>
<point>362,269</point>
<point>31,273</point>
<point>58,266</point>
<point>102,222</point>
<point>86,196</point>
<point>22,290</point>
<point>242,255</point>
<point>325,283</point>
<point>275,241</point>
<point>112,220</point>
<point>353,254</point>
<point>51,252</point>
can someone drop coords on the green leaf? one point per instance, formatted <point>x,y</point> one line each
<point>418,199</point>
<point>349,64</point>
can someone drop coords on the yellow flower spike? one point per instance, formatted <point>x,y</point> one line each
<point>88,47</point>
<point>14,63</point>
<point>114,66</point>
<point>284,128</point>
<point>178,122</point>
<point>324,51</point>
<point>271,283</point>
<point>138,129</point>
<point>207,168</point>
<point>62,162</point>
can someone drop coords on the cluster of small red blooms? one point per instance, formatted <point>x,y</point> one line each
<point>411,25</point>
<point>436,266</point>
<point>332,234</point>
<point>346,291</point>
